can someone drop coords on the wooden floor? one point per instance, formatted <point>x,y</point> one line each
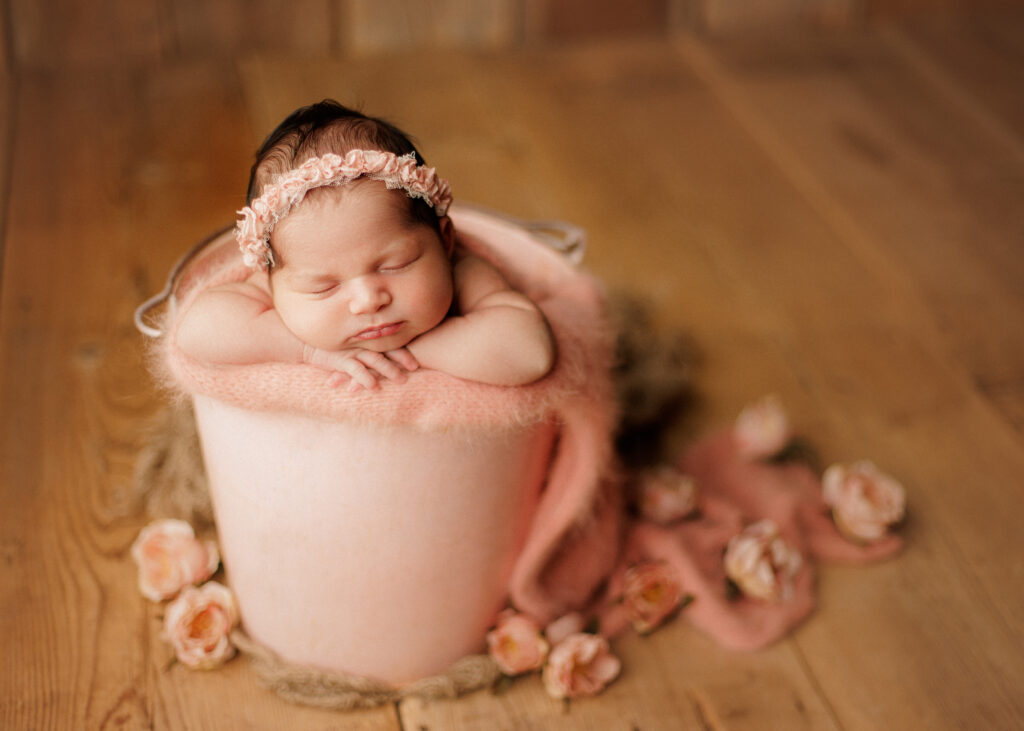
<point>838,219</point>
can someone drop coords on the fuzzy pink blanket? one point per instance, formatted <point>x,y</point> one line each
<point>735,492</point>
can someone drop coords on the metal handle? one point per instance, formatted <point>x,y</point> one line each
<point>565,238</point>
<point>172,280</point>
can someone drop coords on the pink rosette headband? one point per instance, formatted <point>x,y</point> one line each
<point>259,217</point>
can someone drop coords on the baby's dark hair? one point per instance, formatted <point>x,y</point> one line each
<point>328,126</point>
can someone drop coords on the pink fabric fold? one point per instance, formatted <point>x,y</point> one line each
<point>734,493</point>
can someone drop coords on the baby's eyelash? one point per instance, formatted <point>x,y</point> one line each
<point>399,267</point>
<point>323,290</point>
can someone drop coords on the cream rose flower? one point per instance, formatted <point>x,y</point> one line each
<point>580,665</point>
<point>760,563</point>
<point>864,500</point>
<point>762,428</point>
<point>666,495</point>
<point>170,557</point>
<point>516,644</point>
<point>651,593</point>
<point>197,625</point>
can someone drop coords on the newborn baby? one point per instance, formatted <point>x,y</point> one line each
<point>356,269</point>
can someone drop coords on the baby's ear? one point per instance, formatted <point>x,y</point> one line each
<point>447,234</point>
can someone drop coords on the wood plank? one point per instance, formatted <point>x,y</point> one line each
<point>6,47</point>
<point>861,110</point>
<point>8,107</point>
<point>56,33</point>
<point>562,20</point>
<point>975,62</point>
<point>384,26</point>
<point>302,28</point>
<point>82,643</point>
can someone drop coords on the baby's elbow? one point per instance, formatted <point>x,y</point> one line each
<point>191,337</point>
<point>536,359</point>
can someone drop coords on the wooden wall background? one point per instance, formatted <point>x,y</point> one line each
<point>47,33</point>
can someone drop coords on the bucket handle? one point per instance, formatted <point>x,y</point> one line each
<point>567,239</point>
<point>172,281</point>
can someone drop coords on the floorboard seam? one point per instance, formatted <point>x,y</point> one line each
<point>813,680</point>
<point>956,95</point>
<point>10,105</point>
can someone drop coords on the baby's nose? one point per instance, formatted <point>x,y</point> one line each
<point>368,295</point>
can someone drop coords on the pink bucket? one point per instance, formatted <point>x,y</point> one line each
<point>379,534</point>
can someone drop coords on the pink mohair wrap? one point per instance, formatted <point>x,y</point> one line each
<point>735,492</point>
<point>581,539</point>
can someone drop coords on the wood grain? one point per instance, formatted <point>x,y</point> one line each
<point>835,219</point>
<point>370,27</point>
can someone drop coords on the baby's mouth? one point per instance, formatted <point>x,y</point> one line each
<point>379,331</point>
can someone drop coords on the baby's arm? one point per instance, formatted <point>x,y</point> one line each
<point>499,337</point>
<point>236,324</point>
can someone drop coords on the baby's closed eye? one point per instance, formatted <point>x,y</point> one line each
<point>399,266</point>
<point>323,289</point>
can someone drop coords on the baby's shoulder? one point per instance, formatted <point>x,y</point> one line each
<point>469,268</point>
<point>254,287</point>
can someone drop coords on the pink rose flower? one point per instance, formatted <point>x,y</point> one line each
<point>580,665</point>
<point>197,625</point>
<point>864,500</point>
<point>272,197</point>
<point>170,557</point>
<point>567,624</point>
<point>442,198</point>
<point>651,593</point>
<point>516,644</point>
<point>291,188</point>
<point>760,563</point>
<point>666,495</point>
<point>762,429</point>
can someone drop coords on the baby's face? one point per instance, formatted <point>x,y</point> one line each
<point>353,269</point>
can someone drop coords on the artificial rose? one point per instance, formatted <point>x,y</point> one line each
<point>171,557</point>
<point>290,188</point>
<point>422,179</point>
<point>262,210</point>
<point>272,197</point>
<point>580,665</point>
<point>651,592</point>
<point>762,429</point>
<point>567,624</point>
<point>864,500</point>
<point>666,495</point>
<point>443,197</point>
<point>760,563</point>
<point>197,625</point>
<point>516,644</point>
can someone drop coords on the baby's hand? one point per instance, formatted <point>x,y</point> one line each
<point>364,368</point>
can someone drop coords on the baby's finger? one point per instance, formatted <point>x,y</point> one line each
<point>337,378</point>
<point>360,375</point>
<point>404,358</point>
<point>383,365</point>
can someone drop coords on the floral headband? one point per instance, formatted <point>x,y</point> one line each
<point>259,217</point>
